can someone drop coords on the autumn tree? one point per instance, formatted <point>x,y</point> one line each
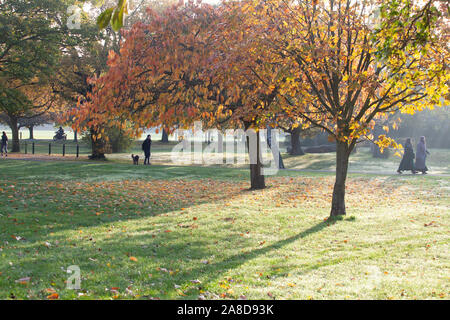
<point>89,60</point>
<point>174,70</point>
<point>29,47</point>
<point>351,63</point>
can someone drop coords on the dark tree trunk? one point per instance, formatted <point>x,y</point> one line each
<point>296,147</point>
<point>256,178</point>
<point>274,153</point>
<point>165,136</point>
<point>75,136</point>
<point>342,156</point>
<point>31,130</point>
<point>98,148</point>
<point>13,124</point>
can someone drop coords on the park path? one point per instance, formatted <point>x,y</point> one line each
<point>84,159</point>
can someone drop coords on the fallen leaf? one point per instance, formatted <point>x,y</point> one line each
<point>53,296</point>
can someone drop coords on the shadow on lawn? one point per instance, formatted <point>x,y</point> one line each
<point>209,273</point>
<point>172,250</point>
<point>197,251</point>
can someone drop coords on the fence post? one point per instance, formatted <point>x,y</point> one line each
<point>78,150</point>
<point>64,150</point>
<point>32,148</point>
<point>49,149</point>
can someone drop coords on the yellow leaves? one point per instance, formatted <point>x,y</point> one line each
<point>219,109</point>
<point>385,142</point>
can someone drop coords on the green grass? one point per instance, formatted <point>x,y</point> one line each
<point>190,223</point>
<point>363,161</point>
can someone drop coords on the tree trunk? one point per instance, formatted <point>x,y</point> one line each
<point>98,148</point>
<point>165,136</point>
<point>256,178</point>
<point>342,156</point>
<point>15,134</point>
<point>75,136</point>
<point>296,147</point>
<point>274,154</point>
<point>219,142</point>
<point>31,130</point>
<point>376,152</point>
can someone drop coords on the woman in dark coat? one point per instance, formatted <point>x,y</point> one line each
<point>421,156</point>
<point>4,144</point>
<point>407,162</point>
<point>146,147</point>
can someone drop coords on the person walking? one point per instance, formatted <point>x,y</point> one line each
<point>421,156</point>
<point>407,162</point>
<point>4,144</point>
<point>146,147</point>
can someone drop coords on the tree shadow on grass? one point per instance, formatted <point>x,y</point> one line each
<point>235,261</point>
<point>211,272</point>
<point>172,251</point>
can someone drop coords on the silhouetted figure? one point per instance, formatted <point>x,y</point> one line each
<point>4,145</point>
<point>146,147</point>
<point>407,162</point>
<point>421,156</point>
<point>60,135</point>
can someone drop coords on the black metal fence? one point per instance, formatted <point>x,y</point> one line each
<point>54,148</point>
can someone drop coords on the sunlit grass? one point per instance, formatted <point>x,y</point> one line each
<point>152,232</point>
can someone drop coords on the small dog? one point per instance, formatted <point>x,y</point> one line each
<point>135,159</point>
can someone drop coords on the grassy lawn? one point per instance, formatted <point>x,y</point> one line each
<point>189,232</point>
<point>361,161</point>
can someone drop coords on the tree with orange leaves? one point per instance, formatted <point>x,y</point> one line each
<point>177,69</point>
<point>349,63</point>
<point>337,64</point>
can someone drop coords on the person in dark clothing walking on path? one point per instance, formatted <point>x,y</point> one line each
<point>146,147</point>
<point>421,156</point>
<point>407,162</point>
<point>4,144</point>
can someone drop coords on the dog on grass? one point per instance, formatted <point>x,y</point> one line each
<point>135,159</point>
